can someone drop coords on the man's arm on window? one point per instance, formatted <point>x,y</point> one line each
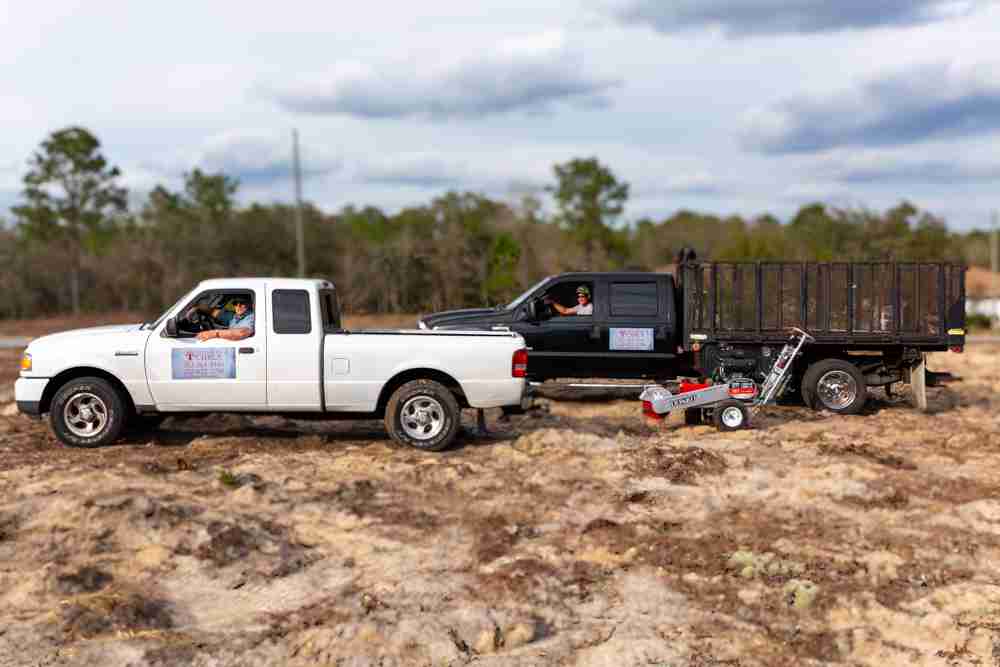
<point>563,310</point>
<point>235,334</point>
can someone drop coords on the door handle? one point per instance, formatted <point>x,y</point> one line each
<point>246,350</point>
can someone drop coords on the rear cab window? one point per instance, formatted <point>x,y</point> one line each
<point>291,310</point>
<point>634,299</point>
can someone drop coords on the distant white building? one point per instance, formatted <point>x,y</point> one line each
<point>989,306</point>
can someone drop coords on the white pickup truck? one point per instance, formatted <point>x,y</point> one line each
<point>298,361</point>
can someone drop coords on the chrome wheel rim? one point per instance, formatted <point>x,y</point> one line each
<point>732,417</point>
<point>837,389</point>
<point>85,415</point>
<point>422,418</point>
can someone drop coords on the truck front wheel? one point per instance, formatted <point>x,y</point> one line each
<point>87,412</point>
<point>835,385</point>
<point>423,414</point>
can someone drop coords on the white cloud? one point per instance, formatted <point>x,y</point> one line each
<point>750,17</point>
<point>524,74</point>
<point>919,103</point>
<point>260,156</point>
<point>941,164</point>
<point>255,157</point>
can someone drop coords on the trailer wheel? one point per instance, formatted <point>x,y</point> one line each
<point>423,414</point>
<point>731,415</point>
<point>835,385</point>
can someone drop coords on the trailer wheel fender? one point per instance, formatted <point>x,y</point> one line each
<point>836,385</point>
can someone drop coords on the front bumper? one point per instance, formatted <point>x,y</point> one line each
<point>28,395</point>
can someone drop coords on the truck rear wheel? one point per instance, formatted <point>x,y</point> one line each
<point>87,412</point>
<point>835,385</point>
<point>423,414</point>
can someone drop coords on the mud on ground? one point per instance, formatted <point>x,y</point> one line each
<point>577,535</point>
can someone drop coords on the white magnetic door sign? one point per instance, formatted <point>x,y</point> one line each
<point>210,363</point>
<point>631,339</point>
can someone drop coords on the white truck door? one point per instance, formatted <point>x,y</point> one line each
<point>187,374</point>
<point>294,335</point>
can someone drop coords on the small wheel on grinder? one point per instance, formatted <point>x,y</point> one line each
<point>731,415</point>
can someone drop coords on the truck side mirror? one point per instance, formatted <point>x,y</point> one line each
<point>171,327</point>
<point>533,309</point>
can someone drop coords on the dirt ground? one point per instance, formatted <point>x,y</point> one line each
<point>576,535</point>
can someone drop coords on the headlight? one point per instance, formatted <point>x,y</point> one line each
<point>25,362</point>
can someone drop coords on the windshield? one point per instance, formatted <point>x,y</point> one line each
<point>165,313</point>
<point>524,296</point>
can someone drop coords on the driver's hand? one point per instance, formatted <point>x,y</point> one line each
<point>207,335</point>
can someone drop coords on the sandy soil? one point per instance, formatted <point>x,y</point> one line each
<point>576,535</point>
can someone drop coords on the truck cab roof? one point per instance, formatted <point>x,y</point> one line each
<point>260,282</point>
<point>609,275</point>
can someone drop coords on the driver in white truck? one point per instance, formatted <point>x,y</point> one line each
<point>240,324</point>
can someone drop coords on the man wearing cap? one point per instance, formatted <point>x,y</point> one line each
<point>240,323</point>
<point>583,305</point>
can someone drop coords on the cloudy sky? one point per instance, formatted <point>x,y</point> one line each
<point>726,106</point>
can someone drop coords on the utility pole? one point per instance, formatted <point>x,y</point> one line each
<point>995,257</point>
<point>994,245</point>
<point>300,243</point>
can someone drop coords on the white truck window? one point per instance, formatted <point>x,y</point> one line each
<point>291,312</point>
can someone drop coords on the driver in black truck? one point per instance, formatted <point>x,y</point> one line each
<point>583,304</point>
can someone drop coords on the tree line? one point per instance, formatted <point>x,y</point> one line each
<point>75,245</point>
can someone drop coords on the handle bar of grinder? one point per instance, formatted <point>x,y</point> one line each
<point>805,334</point>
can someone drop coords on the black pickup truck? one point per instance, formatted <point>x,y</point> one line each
<point>872,321</point>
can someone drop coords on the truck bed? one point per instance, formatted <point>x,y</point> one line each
<point>863,304</point>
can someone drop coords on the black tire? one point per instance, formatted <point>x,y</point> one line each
<point>432,408</point>
<point>835,385</point>
<point>102,421</point>
<point>694,417</point>
<point>724,415</point>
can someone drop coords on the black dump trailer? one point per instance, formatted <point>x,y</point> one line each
<point>873,321</point>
